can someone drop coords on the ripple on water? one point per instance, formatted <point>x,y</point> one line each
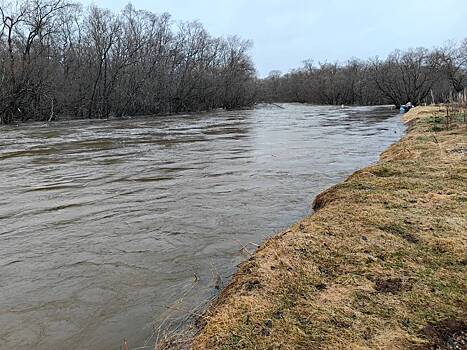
<point>104,224</point>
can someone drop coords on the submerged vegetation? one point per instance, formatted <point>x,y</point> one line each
<point>381,264</point>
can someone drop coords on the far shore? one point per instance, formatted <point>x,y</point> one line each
<point>175,114</point>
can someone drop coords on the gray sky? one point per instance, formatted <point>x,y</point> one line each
<point>286,32</point>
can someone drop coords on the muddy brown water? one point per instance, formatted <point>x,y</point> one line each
<point>104,224</point>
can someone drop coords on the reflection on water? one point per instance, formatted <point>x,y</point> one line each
<point>102,224</point>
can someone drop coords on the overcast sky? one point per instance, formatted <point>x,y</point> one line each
<point>286,32</point>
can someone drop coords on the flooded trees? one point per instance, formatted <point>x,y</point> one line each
<point>238,72</point>
<point>405,76</point>
<point>324,83</point>
<point>58,59</point>
<point>27,60</point>
<point>416,75</point>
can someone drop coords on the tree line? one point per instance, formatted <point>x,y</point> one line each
<point>416,75</point>
<point>58,59</point>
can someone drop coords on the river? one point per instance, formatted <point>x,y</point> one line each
<point>108,228</point>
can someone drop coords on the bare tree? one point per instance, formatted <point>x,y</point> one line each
<point>57,59</point>
<point>451,61</point>
<point>416,75</point>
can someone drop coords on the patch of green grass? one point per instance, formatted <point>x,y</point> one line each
<point>399,230</point>
<point>385,171</point>
<point>424,139</point>
<point>436,123</point>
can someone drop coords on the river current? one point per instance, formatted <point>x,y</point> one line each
<point>107,226</point>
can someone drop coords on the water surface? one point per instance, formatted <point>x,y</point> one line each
<point>105,223</point>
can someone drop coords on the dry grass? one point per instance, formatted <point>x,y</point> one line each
<point>380,265</point>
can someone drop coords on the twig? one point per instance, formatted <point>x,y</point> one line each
<point>51,111</point>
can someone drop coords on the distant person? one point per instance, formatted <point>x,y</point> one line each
<point>407,107</point>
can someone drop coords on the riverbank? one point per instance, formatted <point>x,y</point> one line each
<point>380,264</point>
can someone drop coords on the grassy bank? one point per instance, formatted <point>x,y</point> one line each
<point>380,265</point>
